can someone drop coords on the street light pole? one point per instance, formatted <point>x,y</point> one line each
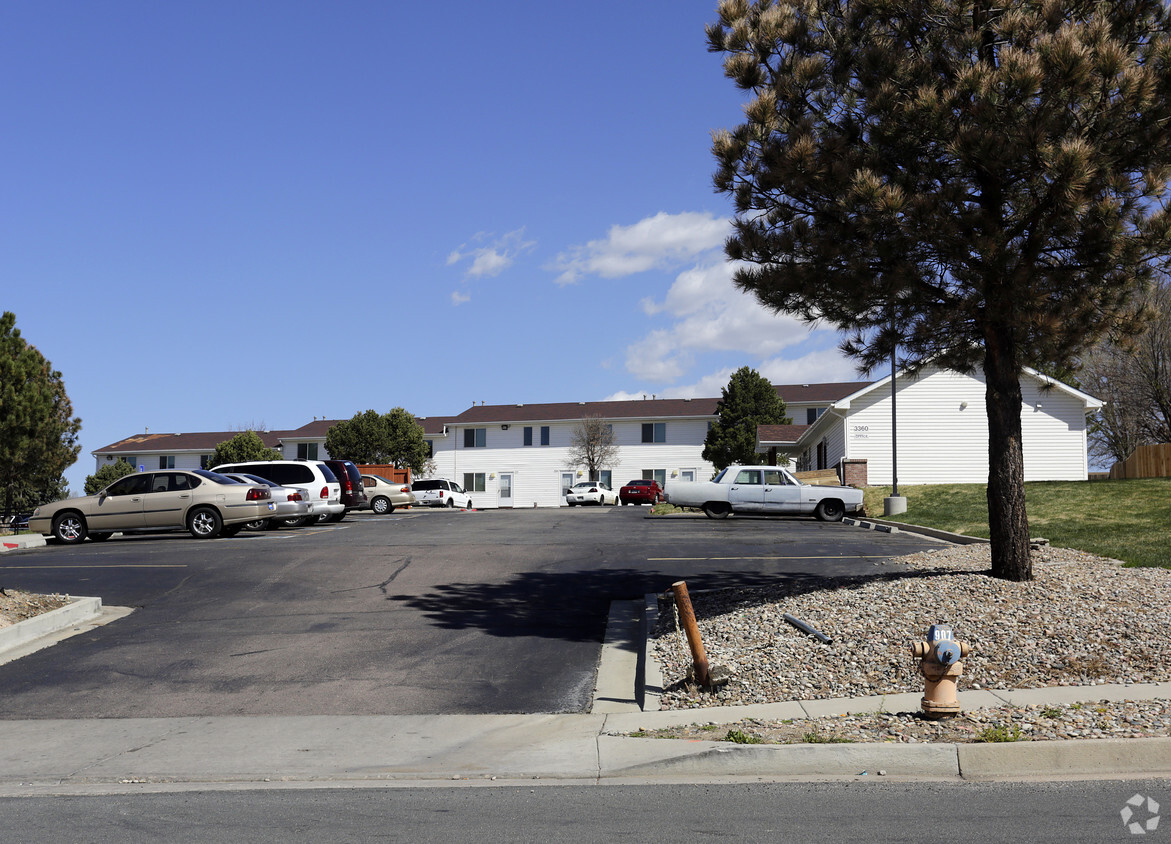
<point>894,503</point>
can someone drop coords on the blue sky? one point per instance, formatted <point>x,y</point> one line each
<point>219,215</point>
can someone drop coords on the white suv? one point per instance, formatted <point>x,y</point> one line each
<point>325,492</point>
<point>439,492</point>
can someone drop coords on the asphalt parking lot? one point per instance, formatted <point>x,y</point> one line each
<point>418,612</point>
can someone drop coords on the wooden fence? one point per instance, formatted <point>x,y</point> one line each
<point>1148,461</point>
<point>397,476</point>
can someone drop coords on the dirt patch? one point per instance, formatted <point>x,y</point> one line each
<point>17,606</point>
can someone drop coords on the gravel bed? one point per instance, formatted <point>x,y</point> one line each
<point>16,605</point>
<point>1083,620</point>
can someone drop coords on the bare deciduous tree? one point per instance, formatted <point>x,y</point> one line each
<point>1133,376</point>
<point>593,445</point>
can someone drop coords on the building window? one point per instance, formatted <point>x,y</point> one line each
<point>607,477</point>
<point>306,451</point>
<point>811,414</point>
<point>659,475</point>
<point>473,481</point>
<point>475,437</point>
<point>544,435</point>
<point>205,461</point>
<point>823,455</point>
<point>166,461</point>
<point>528,435</point>
<point>654,432</point>
<point>430,448</point>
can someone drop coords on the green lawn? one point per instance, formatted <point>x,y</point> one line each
<point>1126,520</point>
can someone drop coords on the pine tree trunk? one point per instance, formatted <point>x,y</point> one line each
<point>1008,522</point>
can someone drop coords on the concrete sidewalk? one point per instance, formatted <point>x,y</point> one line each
<point>167,754</point>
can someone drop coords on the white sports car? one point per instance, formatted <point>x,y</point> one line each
<point>591,492</point>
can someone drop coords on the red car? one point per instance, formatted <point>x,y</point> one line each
<point>641,492</point>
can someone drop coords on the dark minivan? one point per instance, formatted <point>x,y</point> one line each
<point>353,492</point>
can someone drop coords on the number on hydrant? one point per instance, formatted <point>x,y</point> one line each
<point>939,661</point>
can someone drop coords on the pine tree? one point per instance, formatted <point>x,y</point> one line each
<point>979,185</point>
<point>749,400</point>
<point>38,432</point>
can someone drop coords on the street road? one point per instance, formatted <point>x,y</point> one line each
<point>418,612</point>
<point>744,812</point>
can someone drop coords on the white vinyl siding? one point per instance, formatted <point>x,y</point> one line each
<point>943,431</point>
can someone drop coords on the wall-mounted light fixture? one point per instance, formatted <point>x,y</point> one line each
<point>580,473</point>
<point>963,405</point>
<point>504,427</point>
<point>492,476</point>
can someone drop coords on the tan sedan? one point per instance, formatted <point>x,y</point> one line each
<point>383,495</point>
<point>205,503</point>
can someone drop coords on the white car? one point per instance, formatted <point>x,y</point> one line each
<point>440,492</point>
<point>591,492</point>
<point>325,492</point>
<point>763,489</point>
<point>293,507</point>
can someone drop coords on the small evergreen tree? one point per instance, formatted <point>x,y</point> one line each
<point>749,400</point>
<point>106,475</point>
<point>38,432</point>
<point>245,446</point>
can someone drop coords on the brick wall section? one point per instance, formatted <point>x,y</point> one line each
<point>854,472</point>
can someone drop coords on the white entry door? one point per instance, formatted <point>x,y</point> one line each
<point>506,489</point>
<point>566,483</point>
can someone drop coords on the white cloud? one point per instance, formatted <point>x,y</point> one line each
<point>458,298</point>
<point>664,240</point>
<point>496,255</point>
<point>711,315</point>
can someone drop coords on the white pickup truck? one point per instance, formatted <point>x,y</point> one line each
<point>763,489</point>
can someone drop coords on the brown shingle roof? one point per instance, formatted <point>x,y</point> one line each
<point>773,434</point>
<point>202,441</point>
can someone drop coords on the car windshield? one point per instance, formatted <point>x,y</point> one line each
<point>639,483</point>
<point>423,486</point>
<point>585,484</point>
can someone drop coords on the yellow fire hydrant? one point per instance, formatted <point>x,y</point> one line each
<point>939,661</point>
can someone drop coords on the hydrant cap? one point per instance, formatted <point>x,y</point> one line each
<point>947,652</point>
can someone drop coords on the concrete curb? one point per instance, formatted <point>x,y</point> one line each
<point>41,631</point>
<point>21,541</point>
<point>900,527</point>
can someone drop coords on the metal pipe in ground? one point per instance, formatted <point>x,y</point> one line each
<point>687,617</point>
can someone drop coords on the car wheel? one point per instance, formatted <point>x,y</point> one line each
<point>381,505</point>
<point>259,524</point>
<point>297,522</point>
<point>830,510</point>
<point>100,537</point>
<point>717,510</point>
<point>231,530</point>
<point>70,528</point>
<point>337,517</point>
<point>469,506</point>
<point>451,504</point>
<point>204,523</point>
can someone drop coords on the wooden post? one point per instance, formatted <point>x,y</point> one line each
<point>687,616</point>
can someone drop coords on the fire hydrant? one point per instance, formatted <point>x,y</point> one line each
<point>939,660</point>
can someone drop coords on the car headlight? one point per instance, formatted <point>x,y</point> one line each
<point>36,512</point>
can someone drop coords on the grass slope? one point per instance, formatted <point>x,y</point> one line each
<point>1125,520</point>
